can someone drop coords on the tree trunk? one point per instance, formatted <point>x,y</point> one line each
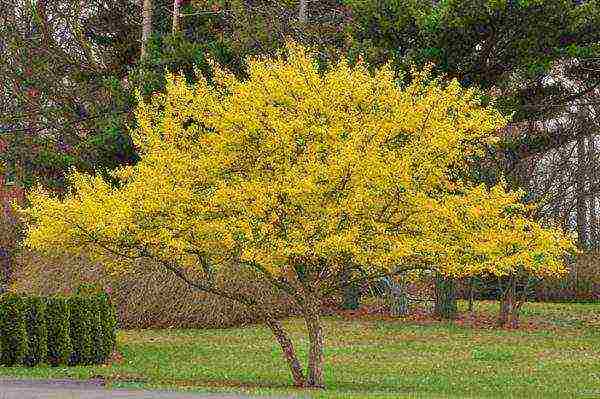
<point>445,298</point>
<point>559,201</point>
<point>146,26</point>
<point>288,351</point>
<point>504,311</point>
<point>471,293</point>
<point>582,227</point>
<point>593,178</point>
<point>280,334</point>
<point>509,306</point>
<point>351,293</point>
<point>40,9</point>
<point>176,13</point>
<point>594,238</point>
<point>315,377</point>
<point>396,297</point>
<point>303,11</point>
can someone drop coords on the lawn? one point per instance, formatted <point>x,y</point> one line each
<point>555,355</point>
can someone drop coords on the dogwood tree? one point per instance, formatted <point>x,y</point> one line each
<point>295,173</point>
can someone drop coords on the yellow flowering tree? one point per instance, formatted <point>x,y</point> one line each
<point>490,232</point>
<point>294,174</point>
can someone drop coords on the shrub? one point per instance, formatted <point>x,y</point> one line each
<point>58,323</point>
<point>92,292</point>
<point>103,321</point>
<point>108,326</point>
<point>103,326</point>
<point>81,330</point>
<point>97,333</point>
<point>13,330</point>
<point>37,331</point>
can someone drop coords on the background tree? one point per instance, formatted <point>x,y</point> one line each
<point>70,72</point>
<point>147,11</point>
<point>537,58</point>
<point>64,103</point>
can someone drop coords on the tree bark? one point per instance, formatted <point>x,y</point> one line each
<point>582,227</point>
<point>510,306</point>
<point>303,11</point>
<point>445,298</point>
<point>351,292</point>
<point>315,376</point>
<point>396,297</point>
<point>176,14</point>
<point>504,311</point>
<point>471,293</point>
<point>289,353</point>
<point>593,177</point>
<point>146,26</point>
<point>40,9</point>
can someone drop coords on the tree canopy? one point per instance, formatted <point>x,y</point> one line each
<point>289,164</point>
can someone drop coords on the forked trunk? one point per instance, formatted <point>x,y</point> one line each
<point>288,351</point>
<point>509,313</point>
<point>396,297</point>
<point>504,311</point>
<point>510,307</point>
<point>314,376</point>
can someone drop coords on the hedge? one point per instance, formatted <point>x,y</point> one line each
<point>14,344</point>
<point>81,330</point>
<point>58,330</point>
<point>58,316</point>
<point>108,326</point>
<point>37,332</point>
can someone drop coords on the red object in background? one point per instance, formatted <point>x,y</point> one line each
<point>33,92</point>
<point>7,195</point>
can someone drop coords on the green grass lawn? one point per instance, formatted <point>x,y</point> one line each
<point>556,355</point>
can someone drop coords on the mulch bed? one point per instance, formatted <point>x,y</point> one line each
<point>422,316</point>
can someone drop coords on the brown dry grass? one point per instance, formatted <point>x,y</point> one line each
<point>581,284</point>
<point>148,296</point>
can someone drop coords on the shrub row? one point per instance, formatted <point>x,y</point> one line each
<point>58,330</point>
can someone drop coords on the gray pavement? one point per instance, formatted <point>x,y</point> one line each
<point>68,389</point>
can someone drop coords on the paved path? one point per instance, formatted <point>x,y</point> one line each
<point>68,389</point>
